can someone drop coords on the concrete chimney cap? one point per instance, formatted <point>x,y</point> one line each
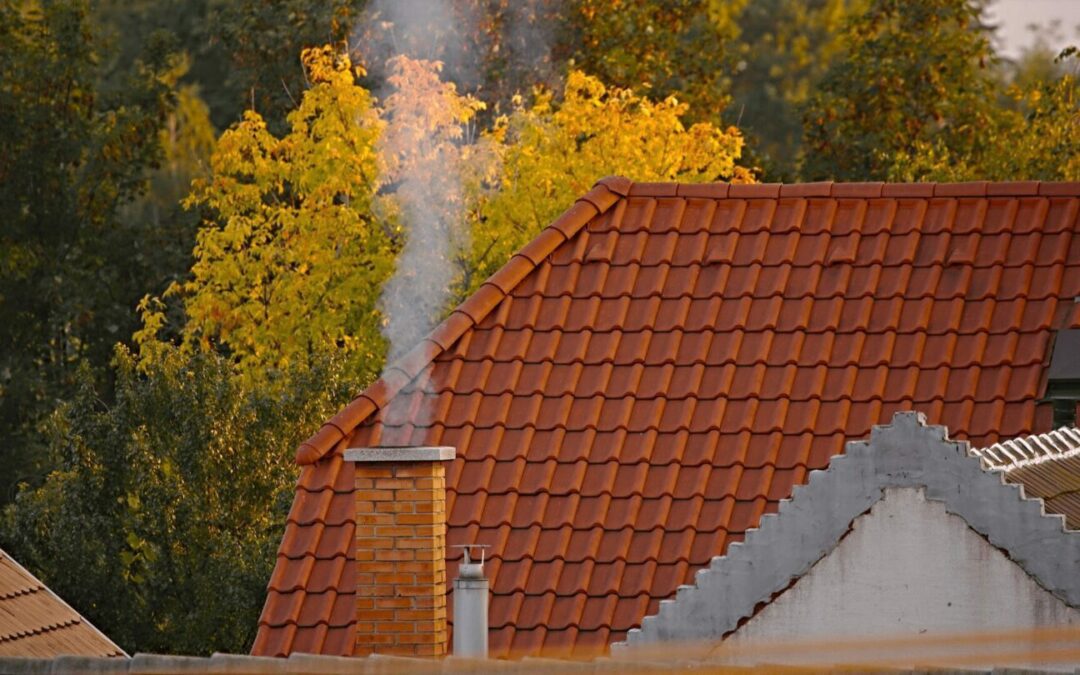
<point>439,453</point>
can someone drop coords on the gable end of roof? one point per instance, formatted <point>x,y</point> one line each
<point>905,453</point>
<point>604,195</point>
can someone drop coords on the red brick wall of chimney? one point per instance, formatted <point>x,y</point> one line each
<point>401,558</point>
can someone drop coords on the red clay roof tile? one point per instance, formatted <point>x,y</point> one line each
<point>1060,189</point>
<point>630,396</point>
<point>754,191</point>
<point>705,190</point>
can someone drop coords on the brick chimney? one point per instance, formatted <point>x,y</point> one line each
<point>400,497</point>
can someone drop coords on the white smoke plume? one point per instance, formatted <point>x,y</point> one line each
<point>420,141</point>
<point>426,183</point>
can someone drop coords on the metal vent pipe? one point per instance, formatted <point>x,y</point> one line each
<point>471,607</point>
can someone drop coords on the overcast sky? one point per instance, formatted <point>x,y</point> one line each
<point>1013,17</point>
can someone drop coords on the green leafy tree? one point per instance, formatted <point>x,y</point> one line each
<point>782,50</point>
<point>264,41</point>
<point>71,157</point>
<point>244,54</point>
<point>679,48</point>
<point>187,141</point>
<point>122,28</point>
<point>162,514</point>
<point>916,81</point>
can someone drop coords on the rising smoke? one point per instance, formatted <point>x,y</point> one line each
<point>427,178</point>
<point>425,158</point>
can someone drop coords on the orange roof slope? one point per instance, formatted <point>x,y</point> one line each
<point>34,622</point>
<point>664,363</point>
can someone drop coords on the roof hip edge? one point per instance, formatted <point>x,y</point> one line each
<point>604,195</point>
<point>809,525</point>
<point>852,190</point>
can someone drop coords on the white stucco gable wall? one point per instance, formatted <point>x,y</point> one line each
<point>908,567</point>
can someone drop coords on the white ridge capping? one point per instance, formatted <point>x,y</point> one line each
<point>1017,453</point>
<point>422,453</point>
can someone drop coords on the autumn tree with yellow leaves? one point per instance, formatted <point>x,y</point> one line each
<point>551,151</point>
<point>301,232</point>
<point>290,258</point>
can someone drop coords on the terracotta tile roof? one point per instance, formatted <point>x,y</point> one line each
<point>1047,465</point>
<point>654,372</point>
<point>34,622</point>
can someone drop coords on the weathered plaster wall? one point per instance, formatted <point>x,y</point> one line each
<point>908,567</point>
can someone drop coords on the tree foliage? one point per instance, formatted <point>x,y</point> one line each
<point>917,97</point>
<point>71,157</point>
<point>915,81</point>
<point>553,150</point>
<point>265,41</point>
<point>164,508</point>
<point>1041,139</point>
<point>660,49</point>
<point>290,260</point>
<point>782,50</point>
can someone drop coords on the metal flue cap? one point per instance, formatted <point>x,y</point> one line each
<point>470,569</point>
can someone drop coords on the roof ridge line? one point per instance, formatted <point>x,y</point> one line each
<point>605,193</point>
<point>857,190</point>
<point>905,453</point>
<point>1022,451</point>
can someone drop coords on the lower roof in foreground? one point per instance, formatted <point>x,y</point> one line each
<point>35,622</point>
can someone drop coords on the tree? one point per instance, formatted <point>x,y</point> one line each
<point>290,259</point>
<point>750,64</point>
<point>552,151</point>
<point>122,28</point>
<point>265,41</point>
<point>782,50</point>
<point>916,80</point>
<point>659,49</point>
<point>71,157</point>
<point>1039,133</point>
<point>161,516</point>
